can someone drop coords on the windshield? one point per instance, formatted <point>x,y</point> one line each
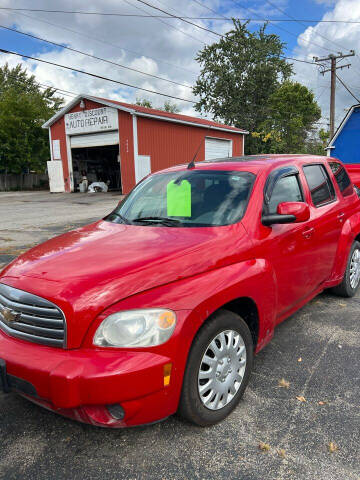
<point>187,199</point>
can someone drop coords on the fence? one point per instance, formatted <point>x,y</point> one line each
<point>24,181</point>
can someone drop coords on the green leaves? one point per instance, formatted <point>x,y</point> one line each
<point>238,75</point>
<point>293,115</point>
<point>244,81</point>
<point>24,107</point>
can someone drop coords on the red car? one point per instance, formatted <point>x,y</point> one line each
<point>160,307</point>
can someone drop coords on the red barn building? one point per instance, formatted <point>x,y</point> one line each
<point>121,143</point>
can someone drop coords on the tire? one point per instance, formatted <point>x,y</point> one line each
<point>351,280</point>
<point>235,346</point>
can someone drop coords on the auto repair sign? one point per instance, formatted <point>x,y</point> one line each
<point>95,120</point>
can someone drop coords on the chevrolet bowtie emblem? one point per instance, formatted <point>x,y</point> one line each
<point>9,315</point>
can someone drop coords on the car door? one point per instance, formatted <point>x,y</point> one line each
<point>288,247</point>
<point>347,192</point>
<point>326,220</point>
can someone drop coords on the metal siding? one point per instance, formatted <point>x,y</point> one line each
<point>347,144</point>
<point>171,144</point>
<point>166,143</point>
<point>58,133</point>
<point>126,152</point>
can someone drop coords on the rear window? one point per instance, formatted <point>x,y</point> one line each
<point>342,178</point>
<point>321,189</point>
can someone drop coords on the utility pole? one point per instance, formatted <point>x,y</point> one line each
<point>333,67</point>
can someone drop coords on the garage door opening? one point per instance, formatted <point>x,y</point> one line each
<point>99,164</point>
<point>217,148</point>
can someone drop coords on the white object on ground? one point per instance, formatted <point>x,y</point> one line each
<point>95,185</point>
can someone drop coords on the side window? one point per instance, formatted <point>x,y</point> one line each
<point>342,178</point>
<point>286,189</point>
<point>321,189</point>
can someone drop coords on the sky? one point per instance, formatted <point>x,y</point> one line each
<point>167,48</point>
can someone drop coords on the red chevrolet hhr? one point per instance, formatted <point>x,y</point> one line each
<point>160,307</point>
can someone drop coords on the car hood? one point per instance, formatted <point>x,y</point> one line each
<point>87,270</point>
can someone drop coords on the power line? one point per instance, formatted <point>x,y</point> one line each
<point>282,56</point>
<point>298,60</point>
<point>176,66</point>
<point>132,51</point>
<point>281,28</point>
<point>180,18</point>
<point>333,61</point>
<point>94,56</point>
<point>347,88</point>
<point>165,23</point>
<point>301,23</point>
<point>210,10</point>
<point>75,94</point>
<point>44,85</point>
<point>216,33</point>
<point>219,18</point>
<point>104,42</point>
<point>94,75</point>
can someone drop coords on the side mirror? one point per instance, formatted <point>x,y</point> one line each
<point>299,210</point>
<point>288,212</point>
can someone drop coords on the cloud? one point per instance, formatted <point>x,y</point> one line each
<point>168,48</point>
<point>332,38</point>
<point>155,47</point>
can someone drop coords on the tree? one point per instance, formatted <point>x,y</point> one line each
<point>167,107</point>
<point>143,102</point>
<point>291,120</point>
<point>170,107</point>
<point>317,142</point>
<point>24,107</point>
<point>238,75</point>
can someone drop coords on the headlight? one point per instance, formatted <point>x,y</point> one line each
<point>136,328</point>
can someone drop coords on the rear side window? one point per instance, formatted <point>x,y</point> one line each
<point>342,178</point>
<point>321,189</point>
<point>286,190</point>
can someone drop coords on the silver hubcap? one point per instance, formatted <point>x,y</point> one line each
<point>222,369</point>
<point>355,268</point>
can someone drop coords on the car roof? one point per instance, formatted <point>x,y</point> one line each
<point>253,163</point>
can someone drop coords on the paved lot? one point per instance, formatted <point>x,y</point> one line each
<point>29,218</point>
<point>35,443</point>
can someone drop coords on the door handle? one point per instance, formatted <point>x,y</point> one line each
<point>341,217</point>
<point>308,233</point>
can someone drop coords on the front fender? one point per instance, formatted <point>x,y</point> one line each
<point>194,299</point>
<point>205,293</point>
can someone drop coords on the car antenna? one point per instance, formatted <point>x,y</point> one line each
<point>192,163</point>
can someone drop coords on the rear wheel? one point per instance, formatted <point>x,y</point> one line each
<point>351,280</point>
<point>218,369</point>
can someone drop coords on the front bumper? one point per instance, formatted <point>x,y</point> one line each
<point>82,383</point>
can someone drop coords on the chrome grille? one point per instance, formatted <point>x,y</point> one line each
<point>29,317</point>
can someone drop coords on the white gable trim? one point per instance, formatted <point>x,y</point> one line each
<point>77,99</point>
<point>341,126</point>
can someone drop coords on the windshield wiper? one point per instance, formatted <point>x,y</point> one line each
<point>168,222</point>
<point>123,219</point>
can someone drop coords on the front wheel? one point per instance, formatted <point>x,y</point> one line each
<point>351,280</point>
<point>218,369</point>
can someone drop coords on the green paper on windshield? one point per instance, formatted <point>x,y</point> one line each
<point>178,198</point>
